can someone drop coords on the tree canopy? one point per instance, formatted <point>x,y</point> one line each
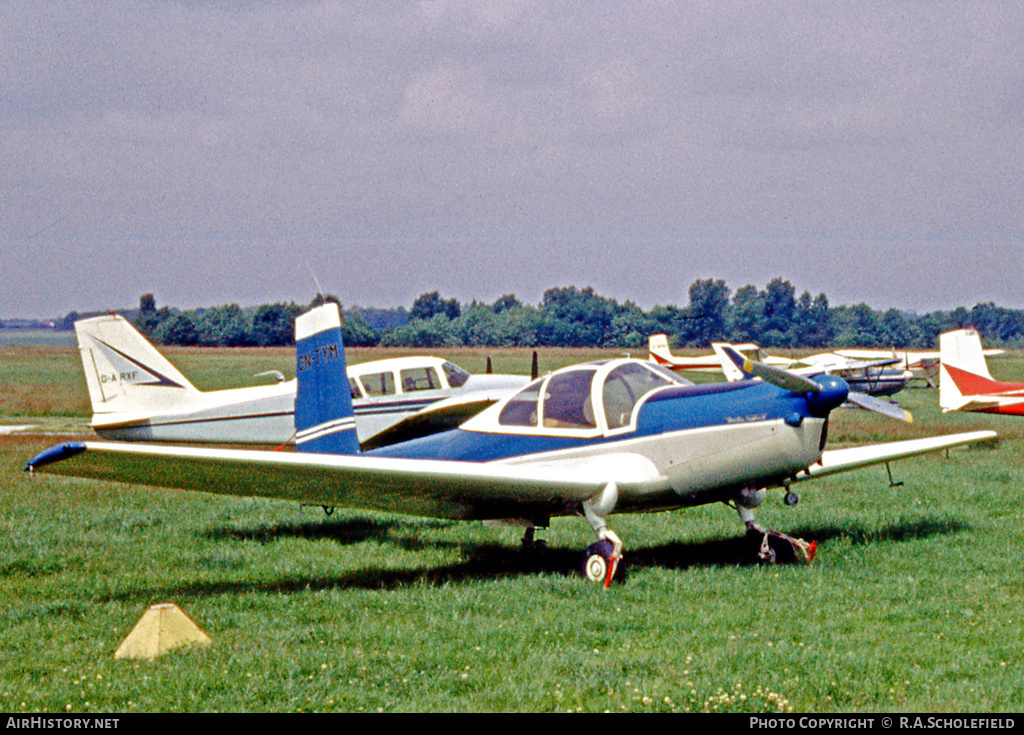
<point>568,316</point>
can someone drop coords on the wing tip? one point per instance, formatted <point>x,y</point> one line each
<point>57,453</point>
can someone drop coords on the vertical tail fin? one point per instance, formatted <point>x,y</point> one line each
<point>324,419</point>
<point>962,349</point>
<point>963,371</point>
<point>124,372</point>
<point>657,346</point>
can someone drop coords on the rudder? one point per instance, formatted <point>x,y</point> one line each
<point>658,349</point>
<point>324,418</point>
<point>124,372</point>
<point>963,370</point>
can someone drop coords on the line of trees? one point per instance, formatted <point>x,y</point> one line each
<point>571,317</point>
<point>267,325</point>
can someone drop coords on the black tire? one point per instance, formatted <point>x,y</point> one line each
<point>596,560</point>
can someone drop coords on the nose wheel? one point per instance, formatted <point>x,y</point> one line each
<point>602,561</point>
<point>774,547</point>
<point>602,565</point>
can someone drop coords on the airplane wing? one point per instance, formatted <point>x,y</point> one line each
<point>435,418</point>
<point>852,458</point>
<point>432,488</point>
<point>834,362</point>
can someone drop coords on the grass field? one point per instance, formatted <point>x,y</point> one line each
<point>913,602</point>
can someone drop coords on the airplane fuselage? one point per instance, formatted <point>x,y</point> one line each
<point>709,442</point>
<point>266,414</point>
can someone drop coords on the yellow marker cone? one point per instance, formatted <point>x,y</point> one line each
<point>161,628</point>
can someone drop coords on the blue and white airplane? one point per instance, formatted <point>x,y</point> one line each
<point>138,395</point>
<point>615,436</point>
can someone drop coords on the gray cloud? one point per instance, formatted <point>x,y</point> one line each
<point>219,152</point>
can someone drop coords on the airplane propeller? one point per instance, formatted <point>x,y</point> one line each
<point>886,408</point>
<point>788,380</point>
<point>775,375</point>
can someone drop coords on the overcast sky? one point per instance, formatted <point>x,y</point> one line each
<point>220,152</point>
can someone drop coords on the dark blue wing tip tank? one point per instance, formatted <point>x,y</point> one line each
<point>55,454</point>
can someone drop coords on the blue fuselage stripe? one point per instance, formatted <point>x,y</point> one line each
<point>674,409</point>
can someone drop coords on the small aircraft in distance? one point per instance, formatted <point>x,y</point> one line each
<point>875,377</point>
<point>138,395</point>
<point>965,383</point>
<point>619,435</point>
<point>738,367</point>
<point>661,354</point>
<point>921,365</point>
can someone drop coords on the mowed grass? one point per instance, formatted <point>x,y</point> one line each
<point>913,602</point>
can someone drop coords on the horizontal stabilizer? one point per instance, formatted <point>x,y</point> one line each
<point>443,415</point>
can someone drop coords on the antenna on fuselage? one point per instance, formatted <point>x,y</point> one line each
<point>319,288</point>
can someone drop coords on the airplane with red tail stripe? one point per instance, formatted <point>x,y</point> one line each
<point>965,383</point>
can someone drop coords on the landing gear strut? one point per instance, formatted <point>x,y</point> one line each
<point>530,542</point>
<point>602,562</point>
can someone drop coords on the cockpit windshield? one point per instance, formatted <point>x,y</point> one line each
<point>523,408</point>
<point>565,399</point>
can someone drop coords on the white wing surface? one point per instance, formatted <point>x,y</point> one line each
<point>434,488</point>
<point>842,460</point>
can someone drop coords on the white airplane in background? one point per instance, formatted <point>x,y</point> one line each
<point>871,377</point>
<point>138,395</point>
<point>661,354</point>
<point>922,365</point>
<point>739,367</point>
<point>966,383</point>
<point>881,377</point>
<point>588,440</point>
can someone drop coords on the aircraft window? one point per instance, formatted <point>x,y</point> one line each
<point>353,388</point>
<point>567,402</point>
<point>624,387</point>
<point>521,410</point>
<point>457,377</point>
<point>378,384</point>
<point>424,378</point>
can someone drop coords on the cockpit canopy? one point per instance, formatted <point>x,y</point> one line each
<point>586,399</point>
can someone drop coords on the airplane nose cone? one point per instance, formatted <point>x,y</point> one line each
<point>833,393</point>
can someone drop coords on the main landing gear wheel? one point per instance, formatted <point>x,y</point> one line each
<point>600,564</point>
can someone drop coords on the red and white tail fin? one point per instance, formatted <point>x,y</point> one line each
<point>964,378</point>
<point>657,346</point>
